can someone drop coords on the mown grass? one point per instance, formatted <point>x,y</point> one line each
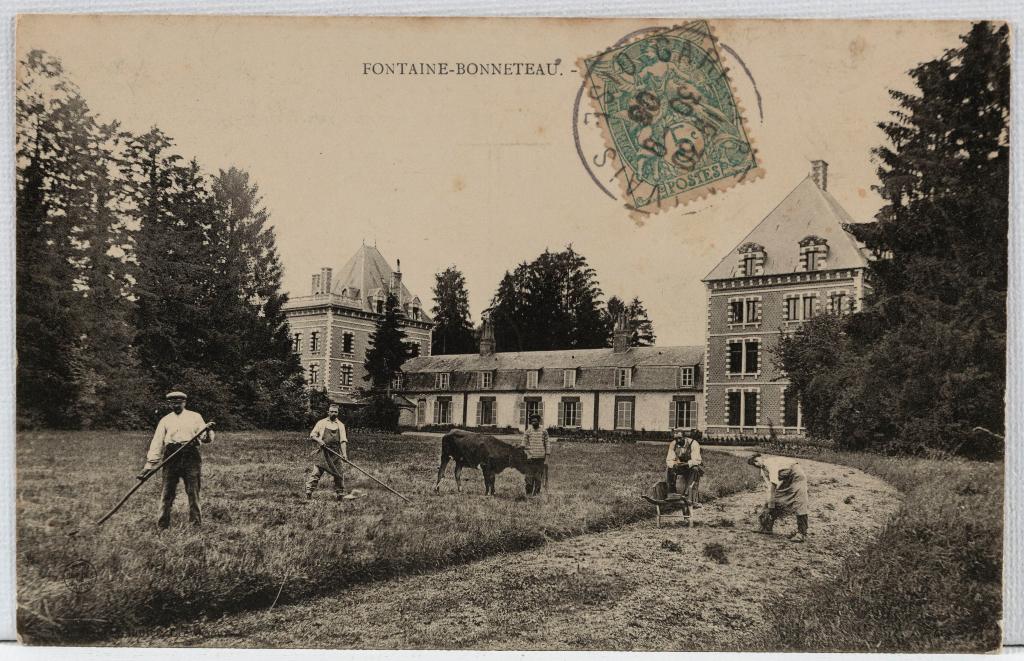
<point>260,537</point>
<point>931,582</point>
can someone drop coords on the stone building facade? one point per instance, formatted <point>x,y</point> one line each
<point>330,327</point>
<point>797,263</point>
<point>620,388</point>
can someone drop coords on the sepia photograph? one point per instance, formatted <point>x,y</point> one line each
<point>438,333</point>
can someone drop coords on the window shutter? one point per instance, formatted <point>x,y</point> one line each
<point>671,414</point>
<point>437,411</point>
<point>540,410</point>
<point>561,414</point>
<point>479,412</point>
<point>522,414</point>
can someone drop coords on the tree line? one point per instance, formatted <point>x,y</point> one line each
<point>138,272</point>
<point>551,302</point>
<point>923,366</point>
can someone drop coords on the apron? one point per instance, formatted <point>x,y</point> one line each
<point>683,454</point>
<point>332,439</point>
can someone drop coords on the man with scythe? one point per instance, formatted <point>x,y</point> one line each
<point>329,434</point>
<point>175,429</point>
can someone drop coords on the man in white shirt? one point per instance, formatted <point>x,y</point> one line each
<point>328,433</point>
<point>683,460</point>
<point>787,492</point>
<point>176,428</point>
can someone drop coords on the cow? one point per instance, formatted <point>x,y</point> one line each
<point>492,455</point>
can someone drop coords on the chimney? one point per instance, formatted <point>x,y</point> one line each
<point>325,280</point>
<point>396,281</point>
<point>315,289</point>
<point>487,335</point>
<point>620,336</point>
<point>819,173</point>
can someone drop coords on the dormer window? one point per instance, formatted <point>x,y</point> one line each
<point>442,380</point>
<point>532,377</point>
<point>486,380</point>
<point>686,377</point>
<point>813,253</point>
<point>752,256</point>
<point>569,378</point>
<point>623,377</point>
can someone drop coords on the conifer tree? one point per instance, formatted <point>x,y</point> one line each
<point>453,331</point>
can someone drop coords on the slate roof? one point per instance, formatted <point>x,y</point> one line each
<point>564,359</point>
<point>367,273</point>
<point>807,210</point>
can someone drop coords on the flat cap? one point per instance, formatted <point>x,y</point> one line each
<point>176,394</point>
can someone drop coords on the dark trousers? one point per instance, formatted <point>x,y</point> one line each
<point>187,467</point>
<point>534,476</point>
<point>689,476</point>
<point>318,470</point>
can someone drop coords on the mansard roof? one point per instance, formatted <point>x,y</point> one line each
<point>679,356</point>
<point>807,211</point>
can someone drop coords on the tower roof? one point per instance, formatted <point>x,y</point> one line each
<point>368,274</point>
<point>806,211</point>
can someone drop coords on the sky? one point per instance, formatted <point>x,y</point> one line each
<point>483,172</point>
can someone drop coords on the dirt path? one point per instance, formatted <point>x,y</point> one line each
<point>637,587</point>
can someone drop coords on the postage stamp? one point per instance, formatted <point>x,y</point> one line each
<point>671,117</point>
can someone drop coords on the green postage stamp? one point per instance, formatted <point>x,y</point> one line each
<point>671,117</point>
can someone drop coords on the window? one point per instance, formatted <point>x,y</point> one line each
<point>570,412</point>
<point>346,342</point>
<point>812,261</point>
<point>623,377</point>
<point>838,303</point>
<point>297,342</point>
<point>346,375</point>
<point>532,377</point>
<point>486,380</point>
<point>442,380</point>
<point>792,312</point>
<point>745,310</point>
<point>415,312</point>
<point>791,408</point>
<point>421,412</point>
<point>741,409</point>
<point>397,382</point>
<point>442,412</point>
<point>568,378</point>
<point>744,356</point>
<point>530,407</point>
<point>685,377</point>
<point>680,413</point>
<point>380,306</point>
<point>734,407</point>
<point>486,412</point>
<point>753,310</point>
<point>314,341</point>
<point>749,264</point>
<point>808,309</point>
<point>414,349</point>
<point>623,413</point>
<point>314,374</point>
<point>736,312</point>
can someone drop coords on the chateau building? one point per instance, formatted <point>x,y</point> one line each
<point>795,264</point>
<point>330,328</point>
<point>617,388</point>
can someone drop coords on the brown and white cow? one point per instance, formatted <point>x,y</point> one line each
<point>491,455</point>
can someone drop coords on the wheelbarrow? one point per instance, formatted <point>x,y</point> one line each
<point>669,506</point>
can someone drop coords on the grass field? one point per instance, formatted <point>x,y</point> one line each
<point>261,541</point>
<point>931,582</point>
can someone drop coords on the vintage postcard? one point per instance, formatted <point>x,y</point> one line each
<point>511,334</point>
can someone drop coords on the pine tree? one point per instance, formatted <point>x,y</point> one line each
<point>388,349</point>
<point>642,329</point>
<point>453,331</point>
<point>47,331</point>
<point>552,302</point>
<point>924,364</point>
